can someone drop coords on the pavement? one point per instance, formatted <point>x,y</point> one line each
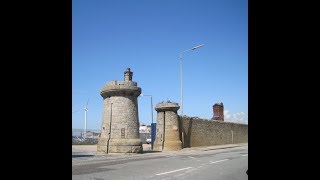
<point>90,151</point>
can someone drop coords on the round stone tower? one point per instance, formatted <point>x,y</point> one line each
<point>167,133</point>
<point>120,122</point>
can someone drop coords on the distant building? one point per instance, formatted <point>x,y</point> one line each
<point>144,132</point>
<point>149,128</point>
<point>142,128</point>
<point>218,111</point>
<point>90,134</point>
<point>145,128</point>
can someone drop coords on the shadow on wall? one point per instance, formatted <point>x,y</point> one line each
<point>186,135</point>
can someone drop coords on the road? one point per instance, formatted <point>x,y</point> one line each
<point>218,164</point>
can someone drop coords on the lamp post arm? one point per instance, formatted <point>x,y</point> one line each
<point>196,47</point>
<point>184,52</point>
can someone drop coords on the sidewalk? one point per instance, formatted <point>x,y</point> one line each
<point>206,148</point>
<point>91,150</point>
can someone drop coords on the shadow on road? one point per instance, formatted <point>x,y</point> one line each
<point>81,155</point>
<point>150,151</point>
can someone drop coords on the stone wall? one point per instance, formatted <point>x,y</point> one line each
<point>202,132</point>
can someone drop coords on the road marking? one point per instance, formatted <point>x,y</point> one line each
<point>245,155</point>
<point>173,171</point>
<point>219,161</point>
<point>192,157</point>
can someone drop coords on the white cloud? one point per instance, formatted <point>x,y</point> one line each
<point>227,115</point>
<point>239,117</point>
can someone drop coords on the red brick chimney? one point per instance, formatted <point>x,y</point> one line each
<point>218,111</point>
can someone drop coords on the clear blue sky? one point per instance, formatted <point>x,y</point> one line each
<point>148,36</point>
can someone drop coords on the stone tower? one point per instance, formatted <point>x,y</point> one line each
<point>218,111</point>
<point>167,133</point>
<point>120,123</point>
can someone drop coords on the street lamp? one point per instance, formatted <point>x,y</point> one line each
<point>151,118</point>
<point>181,88</point>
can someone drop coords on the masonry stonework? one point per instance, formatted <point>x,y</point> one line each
<point>175,132</point>
<point>168,131</point>
<point>203,132</point>
<point>120,123</point>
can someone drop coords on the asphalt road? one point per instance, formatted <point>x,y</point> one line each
<point>218,164</point>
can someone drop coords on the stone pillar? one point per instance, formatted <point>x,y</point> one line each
<point>159,139</point>
<point>168,133</point>
<point>120,123</point>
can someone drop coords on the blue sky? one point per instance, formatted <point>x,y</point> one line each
<point>148,36</point>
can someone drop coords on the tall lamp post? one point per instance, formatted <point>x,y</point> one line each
<point>151,118</point>
<point>181,87</point>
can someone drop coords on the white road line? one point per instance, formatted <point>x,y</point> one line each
<point>173,171</point>
<point>219,161</point>
<point>245,155</point>
<point>192,157</point>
